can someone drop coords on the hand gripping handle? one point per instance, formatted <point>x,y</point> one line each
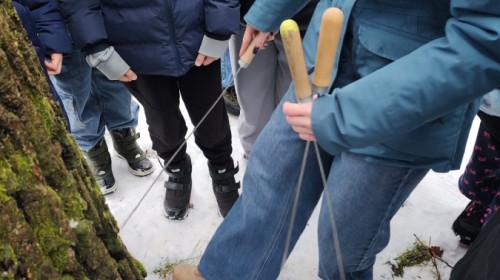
<point>248,56</point>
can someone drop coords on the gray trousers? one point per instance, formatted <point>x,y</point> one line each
<point>259,88</point>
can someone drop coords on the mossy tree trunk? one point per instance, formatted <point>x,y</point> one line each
<point>54,223</point>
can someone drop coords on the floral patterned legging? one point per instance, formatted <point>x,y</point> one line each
<point>480,181</point>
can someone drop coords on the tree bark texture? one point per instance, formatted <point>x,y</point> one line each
<point>54,222</point>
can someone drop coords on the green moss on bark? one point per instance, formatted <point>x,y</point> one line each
<point>54,223</point>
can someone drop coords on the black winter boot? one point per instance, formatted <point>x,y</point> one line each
<point>231,101</point>
<point>224,185</point>
<point>469,223</point>
<point>124,141</point>
<point>99,161</point>
<point>178,187</point>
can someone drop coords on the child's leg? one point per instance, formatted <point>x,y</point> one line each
<point>478,182</point>
<point>364,197</point>
<point>200,87</point>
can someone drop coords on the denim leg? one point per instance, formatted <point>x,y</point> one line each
<point>226,70</point>
<point>364,198</point>
<point>73,85</point>
<point>250,242</point>
<point>91,102</point>
<point>118,109</point>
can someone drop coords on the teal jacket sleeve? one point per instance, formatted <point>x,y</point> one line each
<point>427,83</point>
<point>268,15</point>
<point>420,87</point>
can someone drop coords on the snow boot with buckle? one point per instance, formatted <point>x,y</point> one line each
<point>178,189</point>
<point>224,185</point>
<point>470,222</point>
<point>99,161</point>
<point>124,141</point>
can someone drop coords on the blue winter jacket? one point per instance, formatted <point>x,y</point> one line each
<point>47,32</point>
<point>153,37</point>
<point>45,26</point>
<point>415,99</point>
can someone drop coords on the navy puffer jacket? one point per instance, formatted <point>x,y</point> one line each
<point>160,37</point>
<point>43,22</point>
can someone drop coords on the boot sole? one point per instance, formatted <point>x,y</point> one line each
<point>109,190</point>
<point>141,173</point>
<point>176,217</point>
<point>135,172</point>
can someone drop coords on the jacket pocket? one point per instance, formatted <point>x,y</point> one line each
<point>377,45</point>
<point>388,42</point>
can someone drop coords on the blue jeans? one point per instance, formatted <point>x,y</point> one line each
<point>250,242</point>
<point>226,70</point>
<point>92,102</point>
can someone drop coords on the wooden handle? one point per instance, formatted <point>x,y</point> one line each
<point>329,34</point>
<point>290,34</point>
<point>248,56</point>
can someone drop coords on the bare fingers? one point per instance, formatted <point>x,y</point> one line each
<point>204,60</point>
<point>299,117</point>
<point>302,127</point>
<point>54,65</point>
<point>128,76</point>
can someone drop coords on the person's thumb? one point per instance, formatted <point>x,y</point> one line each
<point>199,60</point>
<point>131,75</point>
<point>128,76</point>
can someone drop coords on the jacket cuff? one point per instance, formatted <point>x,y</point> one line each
<point>109,62</point>
<point>95,48</point>
<point>213,48</point>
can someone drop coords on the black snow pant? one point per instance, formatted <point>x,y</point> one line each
<point>199,88</point>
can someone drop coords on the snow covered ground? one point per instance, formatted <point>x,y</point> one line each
<point>154,240</point>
